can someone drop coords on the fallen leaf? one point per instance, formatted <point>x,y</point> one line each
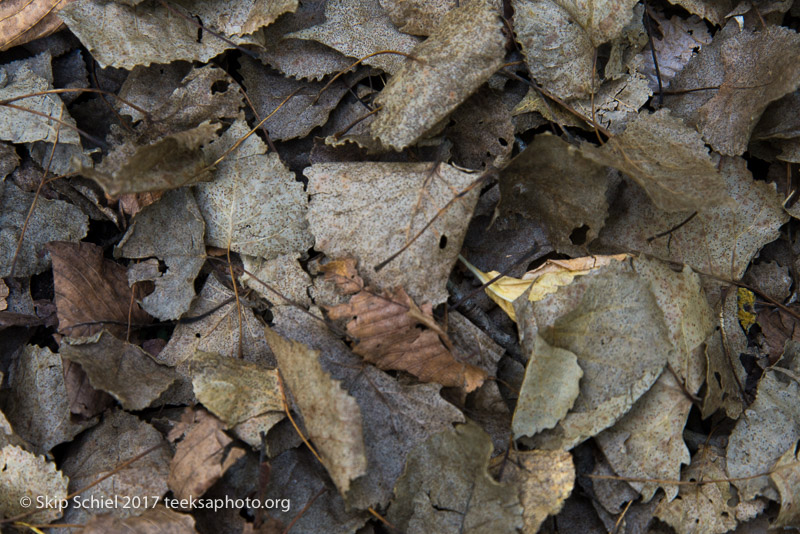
<point>24,475</point>
<point>22,21</point>
<point>91,292</point>
<point>332,417</point>
<point>36,404</point>
<point>357,28</point>
<point>768,428</point>
<point>395,334</point>
<point>396,417</point>
<point>125,371</point>
<point>715,11</point>
<point>244,395</point>
<point>254,205</point>
<point>202,455</point>
<point>751,69</point>
<point>719,240</point>
<point>466,48</point>
<point>370,210</point>
<point>84,401</point>
<point>545,480</point>
<point>708,508</point>
<point>417,17</point>
<point>468,500</point>
<point>155,520</point>
<point>171,229</point>
<point>481,131</point>
<point>51,220</point>
<point>666,158</point>
<point>283,274</point>
<point>344,274</point>
<point>124,36</point>
<point>4,292</point>
<point>622,357</point>
<point>243,17</point>
<point>551,182</point>
<point>102,449</point>
<point>784,475</point>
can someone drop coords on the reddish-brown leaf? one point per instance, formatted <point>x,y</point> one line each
<point>343,273</point>
<point>91,292</point>
<point>393,333</point>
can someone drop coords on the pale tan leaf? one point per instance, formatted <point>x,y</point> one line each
<point>202,455</point>
<point>468,500</point>
<point>357,28</point>
<point>719,240</point>
<point>244,395</point>
<point>785,475</point>
<point>370,210</point>
<point>467,47</point>
<point>332,417</point>
<point>283,274</point>
<point>23,475</point>
<point>550,181</point>
<point>391,334</point>
<point>22,21</point>
<point>51,220</point>
<point>545,480</point>
<point>667,158</point>
<point>124,370</point>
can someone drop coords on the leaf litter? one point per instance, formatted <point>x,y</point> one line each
<point>276,250</point>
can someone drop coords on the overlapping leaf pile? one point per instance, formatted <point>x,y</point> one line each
<point>239,245</point>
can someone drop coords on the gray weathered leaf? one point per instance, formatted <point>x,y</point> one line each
<point>417,17</point>
<point>25,475</point>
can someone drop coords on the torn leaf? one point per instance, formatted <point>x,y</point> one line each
<point>467,47</point>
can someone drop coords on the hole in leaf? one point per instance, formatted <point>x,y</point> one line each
<point>442,242</point>
<point>578,235</point>
<point>220,86</point>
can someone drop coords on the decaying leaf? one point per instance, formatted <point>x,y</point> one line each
<point>621,358</point>
<point>124,370</point>
<point>396,417</point>
<point>172,229</point>
<point>545,480</point>
<point>22,21</point>
<point>202,455</point>
<point>25,475</point>
<point>157,520</point>
<point>91,292</point>
<point>417,17</point>
<point>465,49</point>
<point>550,181</point>
<point>242,17</point>
<point>708,508</point>
<point>481,131</point>
<point>751,69</point>
<point>714,11</point>
<point>357,28</point>
<point>244,395</point>
<point>370,210</point>
<point>51,220</point>
<point>768,428</point>
<point>254,205</point>
<point>36,405</point>
<point>95,453</point>
<point>124,36</point>
<point>667,158</point>
<point>331,416</point>
<point>395,334</point>
<point>784,475</point>
<point>282,274</point>
<point>719,240</point>
<point>468,500</point>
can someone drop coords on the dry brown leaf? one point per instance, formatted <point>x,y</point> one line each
<point>357,28</point>
<point>23,475</point>
<point>417,17</point>
<point>393,333</point>
<point>84,400</point>
<point>51,220</point>
<point>551,182</point>
<point>244,395</point>
<point>91,289</point>
<point>22,21</point>
<point>720,241</point>
<point>545,480</point>
<point>667,158</point>
<point>467,47</point>
<point>370,210</point>
<point>37,405</point>
<point>481,131</point>
<point>125,371</point>
<point>344,274</point>
<point>95,453</point>
<point>468,500</point>
<point>751,69</point>
<point>413,412</point>
<point>202,455</point>
<point>156,520</point>
<point>331,416</point>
